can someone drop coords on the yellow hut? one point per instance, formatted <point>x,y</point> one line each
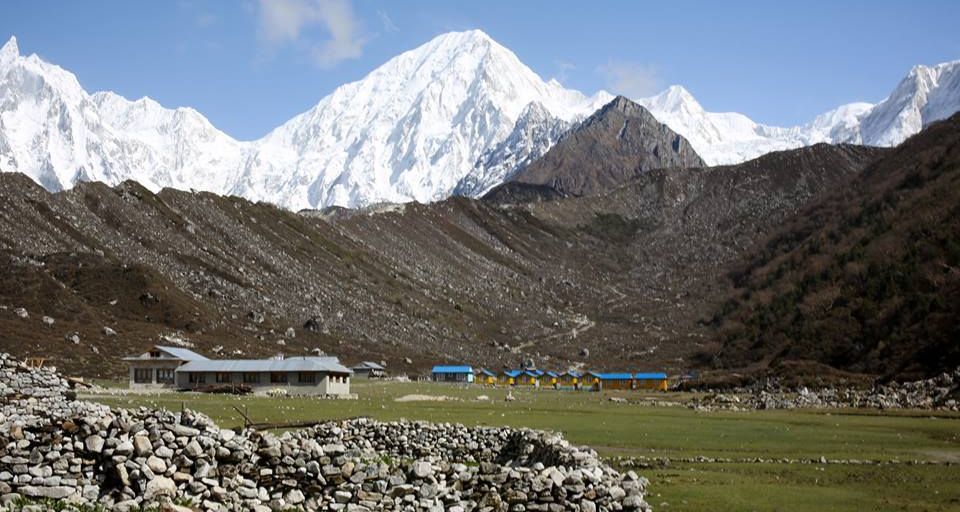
<point>570,379</point>
<point>656,381</point>
<point>591,380</point>
<point>549,378</point>
<point>617,380</point>
<point>485,377</point>
<point>508,377</point>
<point>529,378</point>
<point>601,381</point>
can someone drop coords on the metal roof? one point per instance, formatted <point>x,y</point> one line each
<point>452,369</point>
<point>572,373</point>
<point>292,364</point>
<point>182,353</point>
<point>369,364</point>
<point>651,376</point>
<point>178,353</point>
<point>513,373</point>
<point>486,372</point>
<point>613,376</point>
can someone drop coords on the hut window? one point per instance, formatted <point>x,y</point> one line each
<point>197,378</point>
<point>165,375</point>
<point>278,378</point>
<point>251,378</point>
<point>223,377</point>
<point>143,375</point>
<point>307,377</point>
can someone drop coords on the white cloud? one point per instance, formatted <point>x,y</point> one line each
<point>563,70</point>
<point>631,79</point>
<point>388,23</point>
<point>290,21</point>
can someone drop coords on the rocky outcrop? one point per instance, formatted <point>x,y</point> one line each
<point>54,448</point>
<point>939,393</point>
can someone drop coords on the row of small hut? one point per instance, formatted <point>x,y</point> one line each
<point>531,377</point>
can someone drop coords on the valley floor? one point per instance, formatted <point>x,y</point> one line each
<point>757,460</point>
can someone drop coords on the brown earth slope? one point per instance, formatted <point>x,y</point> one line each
<point>629,275</point>
<point>866,280</point>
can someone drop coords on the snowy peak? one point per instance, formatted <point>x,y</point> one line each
<point>673,99</point>
<point>58,134</point>
<point>535,132</point>
<point>412,129</point>
<point>925,95</point>
<point>841,124</point>
<point>146,114</point>
<point>9,51</point>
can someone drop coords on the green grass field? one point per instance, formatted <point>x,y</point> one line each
<point>633,430</point>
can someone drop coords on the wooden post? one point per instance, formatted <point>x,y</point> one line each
<point>246,419</point>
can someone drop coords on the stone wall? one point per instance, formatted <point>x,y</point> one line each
<point>16,380</point>
<point>79,451</point>
<point>940,393</point>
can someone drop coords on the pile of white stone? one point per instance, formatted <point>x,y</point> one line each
<point>939,393</point>
<point>55,448</point>
<point>18,380</point>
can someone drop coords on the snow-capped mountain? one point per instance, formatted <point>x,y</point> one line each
<point>927,94</point>
<point>49,127</point>
<point>180,146</point>
<point>535,132</point>
<point>58,134</point>
<point>410,130</point>
<point>459,114</point>
<point>729,137</point>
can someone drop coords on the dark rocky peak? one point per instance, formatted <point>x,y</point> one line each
<point>616,144</point>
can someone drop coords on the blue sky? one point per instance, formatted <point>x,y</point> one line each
<point>249,65</point>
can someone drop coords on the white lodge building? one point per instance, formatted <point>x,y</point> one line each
<point>171,367</point>
<point>156,369</point>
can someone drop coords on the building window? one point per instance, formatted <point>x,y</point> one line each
<point>223,378</point>
<point>307,377</point>
<point>278,378</point>
<point>251,378</point>
<point>197,378</point>
<point>165,375</point>
<point>143,375</point>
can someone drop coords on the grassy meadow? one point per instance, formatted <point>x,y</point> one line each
<point>633,430</point>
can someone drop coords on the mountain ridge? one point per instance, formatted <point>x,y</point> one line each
<point>865,279</point>
<point>411,130</point>
<point>627,273</point>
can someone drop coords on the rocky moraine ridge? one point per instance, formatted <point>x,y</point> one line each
<point>55,448</point>
<point>940,393</point>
